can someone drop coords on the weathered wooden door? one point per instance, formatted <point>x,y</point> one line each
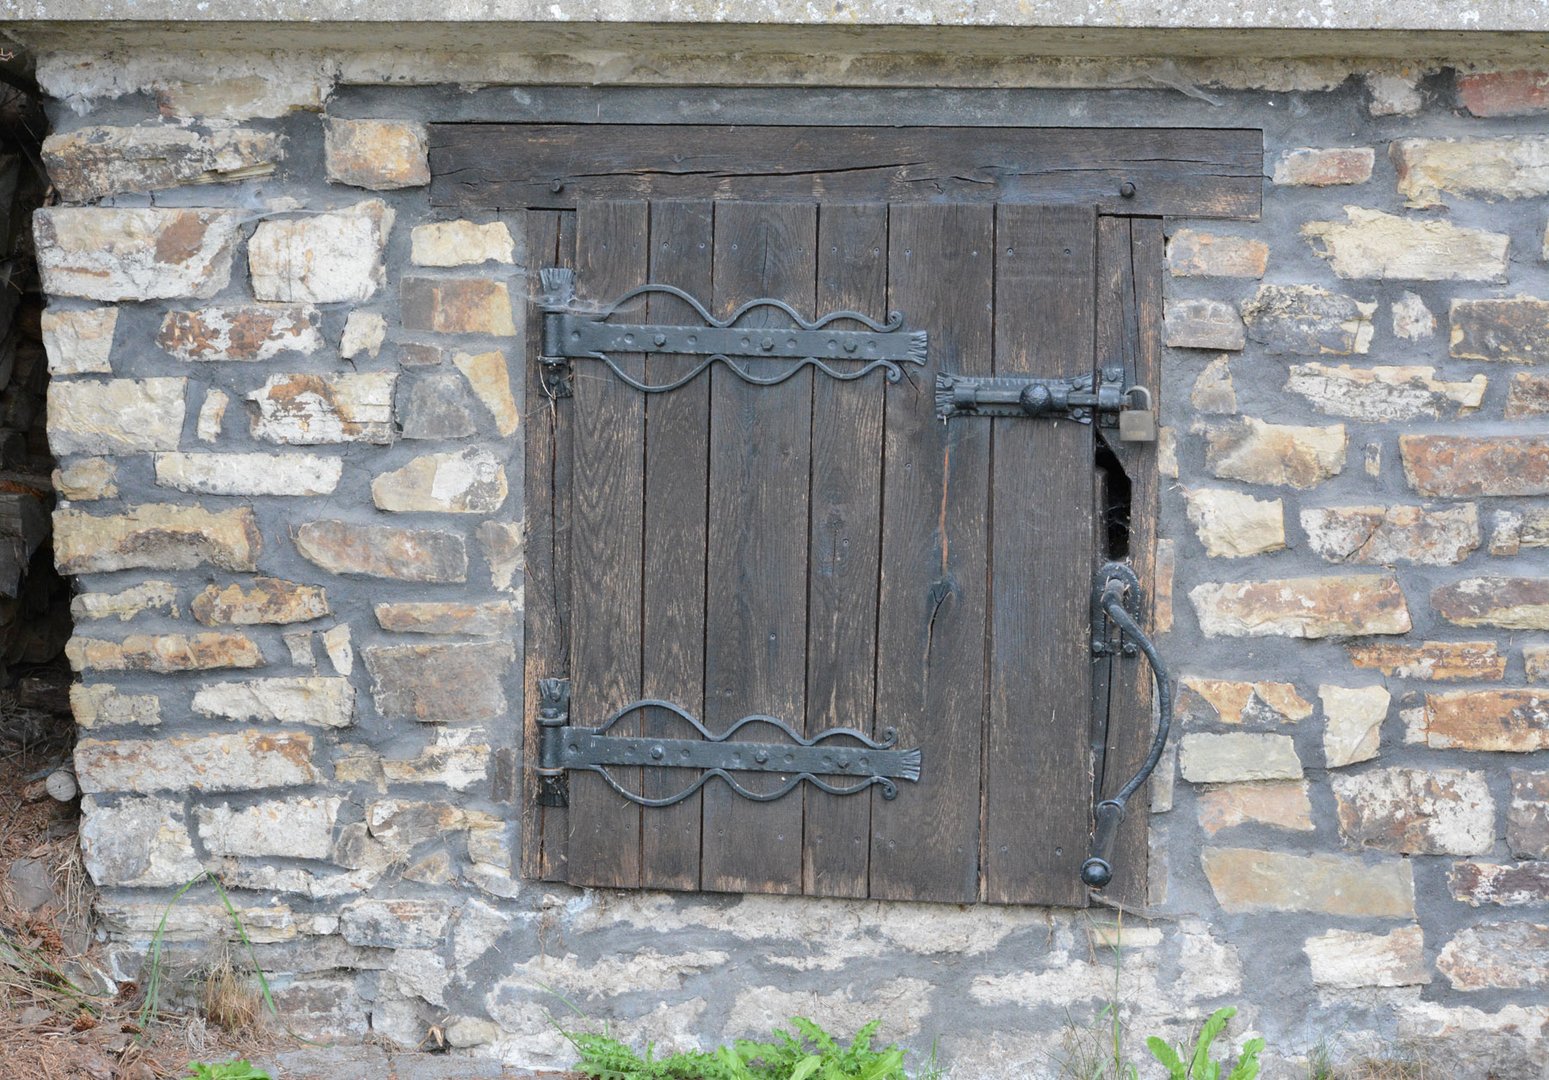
<point>818,550</point>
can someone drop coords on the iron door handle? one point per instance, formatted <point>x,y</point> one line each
<point>1108,602</point>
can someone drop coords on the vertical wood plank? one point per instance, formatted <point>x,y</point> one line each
<point>542,632</point>
<point>755,637</point>
<point>607,508</point>
<point>1039,783</point>
<point>845,541</point>
<point>677,437</point>
<point>556,823</point>
<point>1130,261</point>
<point>931,619</point>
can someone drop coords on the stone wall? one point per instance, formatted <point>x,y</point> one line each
<point>289,432</point>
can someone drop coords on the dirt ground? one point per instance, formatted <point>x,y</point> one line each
<point>62,1017</point>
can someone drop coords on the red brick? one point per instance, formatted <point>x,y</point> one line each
<point>1504,93</point>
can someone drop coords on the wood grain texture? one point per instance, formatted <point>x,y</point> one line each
<point>541,633</point>
<point>607,500</point>
<point>931,620</point>
<point>677,446</point>
<point>1130,262</point>
<point>1194,172</point>
<point>756,624</point>
<point>1038,783</point>
<point>844,545</point>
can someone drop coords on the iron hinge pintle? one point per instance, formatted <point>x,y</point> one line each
<point>853,759</point>
<point>553,715</point>
<point>570,333</point>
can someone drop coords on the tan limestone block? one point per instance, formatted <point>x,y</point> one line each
<point>1417,811</point>
<point>238,761</point>
<point>1386,535</point>
<point>1384,393</point>
<point>442,617</point>
<point>1437,661</point>
<point>384,551</point>
<point>490,377</point>
<point>321,259</point>
<point>1511,167</point>
<point>461,243</point>
<point>104,705</point>
<point>79,342</point>
<point>1310,166</point>
<point>164,653</point>
<point>471,481</point>
<point>1278,804</point>
<point>1191,253</point>
<point>1375,246</point>
<point>1351,959</point>
<point>320,409</point>
<point>1353,718</point>
<point>1208,758</point>
<point>1231,524</point>
<point>135,254</point>
<point>1281,454</point>
<point>381,155</point>
<point>296,828</point>
<point>1511,603</point>
<point>1461,466</point>
<point>261,600</point>
<point>247,333</point>
<point>249,474</point>
<point>457,306</point>
<point>115,416</point>
<point>1507,721</point>
<point>158,536</point>
<point>1309,607</point>
<point>1497,956</point>
<point>1249,881</point>
<point>93,162</point>
<point>86,479</point>
<point>159,596</point>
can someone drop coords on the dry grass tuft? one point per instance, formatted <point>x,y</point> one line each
<point>1386,1069</point>
<point>230,998</point>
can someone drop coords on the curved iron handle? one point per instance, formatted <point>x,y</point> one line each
<point>1097,871</point>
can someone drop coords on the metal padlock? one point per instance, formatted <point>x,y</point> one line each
<point>1137,425</point>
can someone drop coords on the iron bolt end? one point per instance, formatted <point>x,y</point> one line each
<point>1127,189</point>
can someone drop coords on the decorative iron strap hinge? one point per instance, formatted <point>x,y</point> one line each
<point>837,752</point>
<point>1072,398</point>
<point>570,334</point>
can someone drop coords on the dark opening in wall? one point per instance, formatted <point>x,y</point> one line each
<point>37,732</point>
<point>1114,501</point>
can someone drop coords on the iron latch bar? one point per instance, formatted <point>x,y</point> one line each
<point>1070,398</point>
<point>571,333</point>
<point>860,761</point>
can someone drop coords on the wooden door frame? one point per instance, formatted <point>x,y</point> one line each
<point>1130,265</point>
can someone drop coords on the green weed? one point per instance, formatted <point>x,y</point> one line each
<point>225,1070</point>
<point>1199,1066</point>
<point>807,1053</point>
